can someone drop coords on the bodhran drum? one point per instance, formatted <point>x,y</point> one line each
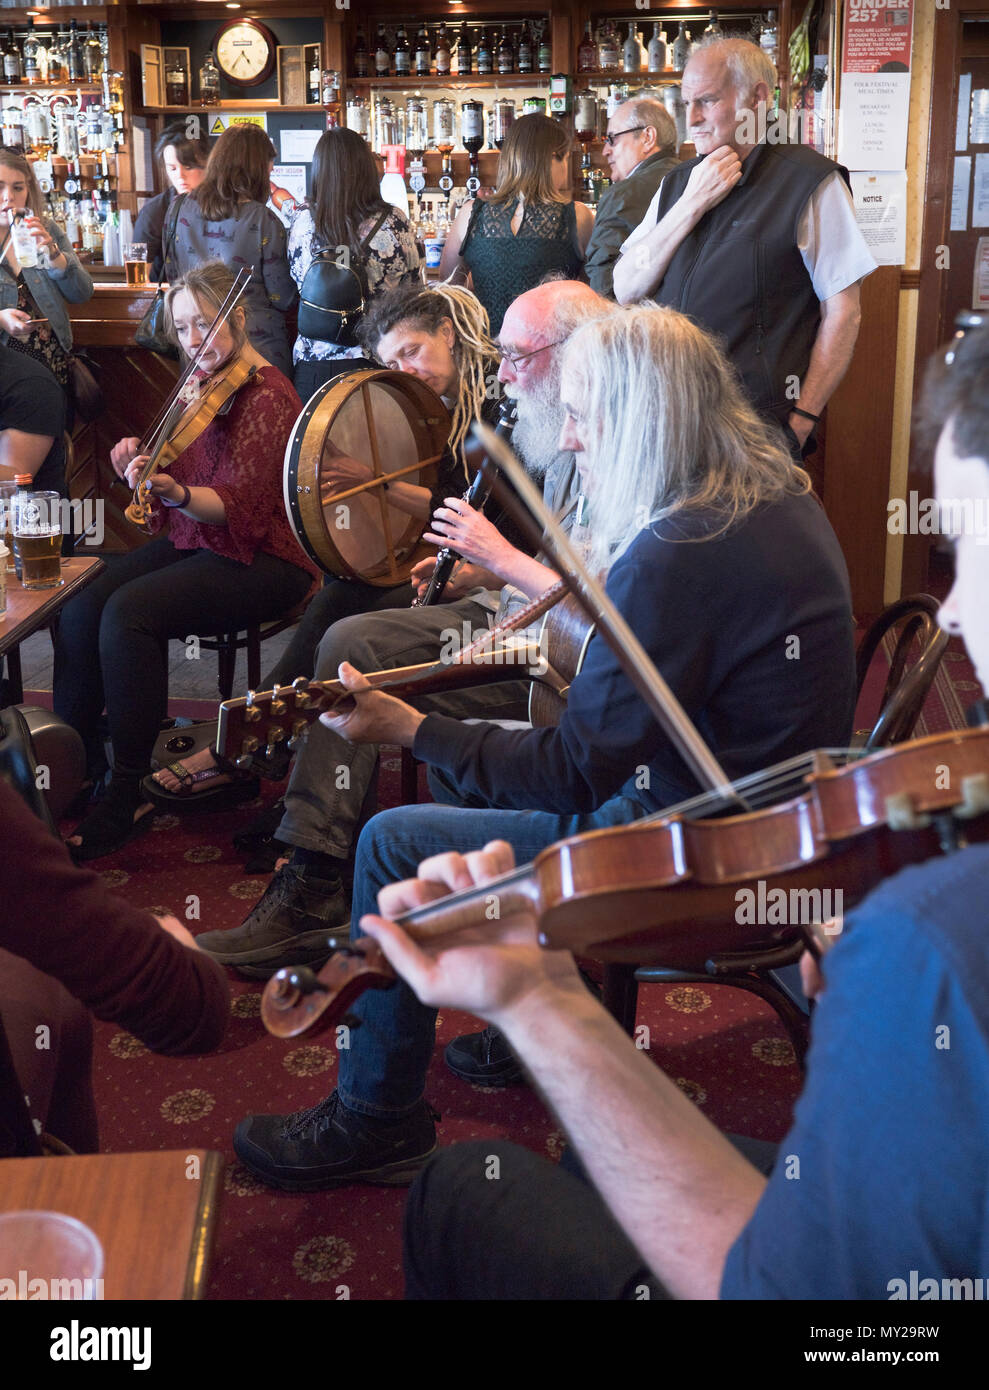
<point>389,423</point>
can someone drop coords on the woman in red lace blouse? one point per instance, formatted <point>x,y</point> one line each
<point>229,554</point>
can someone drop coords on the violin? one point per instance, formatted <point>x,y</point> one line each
<point>192,405</point>
<point>668,889</point>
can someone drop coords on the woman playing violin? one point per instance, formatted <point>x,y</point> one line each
<point>229,552</point>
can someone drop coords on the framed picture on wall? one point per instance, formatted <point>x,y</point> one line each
<point>291,75</point>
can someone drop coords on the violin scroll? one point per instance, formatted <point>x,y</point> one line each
<point>296,998</point>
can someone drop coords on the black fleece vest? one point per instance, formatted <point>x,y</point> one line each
<point>739,273</point>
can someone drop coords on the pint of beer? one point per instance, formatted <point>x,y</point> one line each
<point>38,537</point>
<point>136,263</point>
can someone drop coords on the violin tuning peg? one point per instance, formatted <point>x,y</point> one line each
<point>303,979</point>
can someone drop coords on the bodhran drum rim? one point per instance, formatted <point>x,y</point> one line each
<point>301,492</point>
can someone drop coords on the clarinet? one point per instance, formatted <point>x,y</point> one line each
<point>476,496</point>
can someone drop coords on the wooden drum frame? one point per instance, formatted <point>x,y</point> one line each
<point>395,425</point>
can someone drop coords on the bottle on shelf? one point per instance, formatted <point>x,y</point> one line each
<point>29,54</point>
<point>657,50</point>
<point>209,82</point>
<point>422,56</point>
<point>544,58</point>
<point>504,119</point>
<point>465,51</point>
<point>608,47</point>
<point>768,37</point>
<point>358,115</point>
<point>681,48</point>
<point>631,54</point>
<point>11,59</point>
<point>587,52</point>
<point>713,29</point>
<point>76,67</point>
<point>506,53</point>
<point>315,84</point>
<point>37,126</point>
<point>360,55</point>
<point>485,54</point>
<point>526,62</point>
<point>382,54</point>
<point>442,56</point>
<point>403,53</point>
<point>12,128</point>
<point>176,81</point>
<point>472,139</point>
<point>92,56</point>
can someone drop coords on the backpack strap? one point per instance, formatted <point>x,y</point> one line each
<point>171,225</point>
<point>374,231</point>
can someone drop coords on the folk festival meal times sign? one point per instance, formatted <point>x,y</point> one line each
<point>875,84</point>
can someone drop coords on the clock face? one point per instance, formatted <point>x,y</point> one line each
<point>245,52</point>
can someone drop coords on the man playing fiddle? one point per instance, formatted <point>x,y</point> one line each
<point>228,558</point>
<point>727,570</point>
<point>880,1187</point>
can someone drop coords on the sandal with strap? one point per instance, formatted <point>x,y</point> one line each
<point>112,824</point>
<point>213,788</point>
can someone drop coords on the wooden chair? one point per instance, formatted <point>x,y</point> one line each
<point>227,645</point>
<point>755,970</point>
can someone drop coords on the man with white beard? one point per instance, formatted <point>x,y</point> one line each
<point>331,789</point>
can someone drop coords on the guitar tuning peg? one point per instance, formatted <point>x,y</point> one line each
<point>278,708</point>
<point>243,763</point>
<point>276,734</point>
<point>249,745</point>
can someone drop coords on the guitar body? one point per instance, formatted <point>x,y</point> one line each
<point>564,636</point>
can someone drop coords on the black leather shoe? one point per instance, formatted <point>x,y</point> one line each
<point>483,1059</point>
<point>329,1145</point>
<point>290,925</point>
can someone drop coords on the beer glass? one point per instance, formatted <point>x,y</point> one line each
<point>7,491</point>
<point>136,263</point>
<point>45,1254</point>
<point>38,536</point>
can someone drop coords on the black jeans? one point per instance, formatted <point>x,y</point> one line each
<point>491,1220</point>
<point>112,642</point>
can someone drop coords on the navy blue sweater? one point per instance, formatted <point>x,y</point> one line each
<point>751,629</point>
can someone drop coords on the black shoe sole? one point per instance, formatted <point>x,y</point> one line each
<point>515,1077</point>
<point>401,1174</point>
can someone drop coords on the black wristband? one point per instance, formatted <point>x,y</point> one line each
<point>795,410</point>
<point>183,502</point>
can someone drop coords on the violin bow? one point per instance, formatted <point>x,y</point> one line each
<point>635,660</point>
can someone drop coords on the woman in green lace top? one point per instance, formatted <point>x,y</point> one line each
<point>529,228</point>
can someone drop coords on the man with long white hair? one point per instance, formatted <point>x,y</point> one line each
<point>727,569</point>
<point>756,241</point>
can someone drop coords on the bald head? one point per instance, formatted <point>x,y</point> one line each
<point>551,311</point>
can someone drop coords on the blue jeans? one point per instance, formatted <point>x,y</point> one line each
<point>383,1072</point>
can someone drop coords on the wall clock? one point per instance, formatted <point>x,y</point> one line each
<point>245,52</point>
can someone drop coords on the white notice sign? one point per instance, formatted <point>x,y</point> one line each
<point>298,145</point>
<point>959,192</point>
<point>881,212</point>
<point>980,195</point>
<point>979,127</point>
<point>961,120</point>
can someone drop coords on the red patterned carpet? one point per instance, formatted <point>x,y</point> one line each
<point>725,1049</point>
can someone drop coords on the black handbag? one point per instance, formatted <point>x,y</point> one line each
<point>332,298</point>
<point>150,332</point>
<point>86,392</point>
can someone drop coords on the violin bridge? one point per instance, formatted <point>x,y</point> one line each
<point>901,815</point>
<point>975,797</point>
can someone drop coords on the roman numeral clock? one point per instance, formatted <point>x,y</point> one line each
<point>245,52</point>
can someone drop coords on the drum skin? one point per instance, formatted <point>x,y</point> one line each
<point>392,423</point>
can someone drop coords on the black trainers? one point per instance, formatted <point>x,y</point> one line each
<point>290,925</point>
<point>328,1145</point>
<point>483,1059</point>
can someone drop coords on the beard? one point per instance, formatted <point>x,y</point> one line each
<point>540,420</point>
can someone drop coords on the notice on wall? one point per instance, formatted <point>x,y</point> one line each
<point>287,179</point>
<point>961,118</point>
<point>980,192</point>
<point>980,280</point>
<point>978,130</point>
<point>875,84</point>
<point>298,146</point>
<point>959,192</point>
<point>217,122</point>
<point>881,212</point>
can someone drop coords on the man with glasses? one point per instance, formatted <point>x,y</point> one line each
<point>332,783</point>
<point>757,241</point>
<point>640,148</point>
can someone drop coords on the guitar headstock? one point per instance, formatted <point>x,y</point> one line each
<point>295,999</point>
<point>260,720</point>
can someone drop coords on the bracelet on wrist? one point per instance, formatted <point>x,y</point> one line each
<point>795,410</point>
<point>183,501</point>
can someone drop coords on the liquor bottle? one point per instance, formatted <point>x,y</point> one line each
<point>681,48</point>
<point>587,52</point>
<point>657,50</point>
<point>631,55</point>
<point>176,82</point>
<point>360,55</point>
<point>485,54</point>
<point>423,58</point>
<point>29,54</point>
<point>74,53</point>
<point>382,57</point>
<point>209,82</point>
<point>465,55</point>
<point>315,75</point>
<point>525,56</point>
<point>11,59</point>
<point>713,29</point>
<point>472,139</point>
<point>506,53</point>
<point>442,55</point>
<point>403,53</point>
<point>608,47</point>
<point>92,56</point>
<point>768,37</point>
<point>544,58</point>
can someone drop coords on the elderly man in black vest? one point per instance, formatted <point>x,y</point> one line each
<point>640,148</point>
<point>756,241</point>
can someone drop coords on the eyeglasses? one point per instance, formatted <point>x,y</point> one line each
<point>630,130</point>
<point>517,358</point>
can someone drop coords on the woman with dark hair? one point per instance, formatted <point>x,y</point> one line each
<point>225,219</point>
<point>181,167</point>
<point>344,208</point>
<point>227,559</point>
<point>529,228</point>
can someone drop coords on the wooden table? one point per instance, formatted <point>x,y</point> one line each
<point>154,1221</point>
<point>29,610</point>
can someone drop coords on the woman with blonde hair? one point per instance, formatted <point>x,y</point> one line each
<point>225,219</point>
<point>529,228</point>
